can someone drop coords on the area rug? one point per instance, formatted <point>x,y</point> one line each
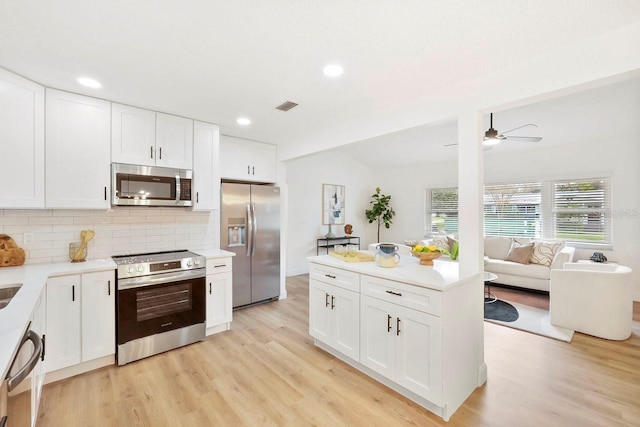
<point>534,320</point>
<point>500,310</point>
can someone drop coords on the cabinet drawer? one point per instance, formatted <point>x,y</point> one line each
<point>415,297</point>
<point>218,265</point>
<point>335,276</point>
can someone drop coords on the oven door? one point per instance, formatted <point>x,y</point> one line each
<point>163,302</point>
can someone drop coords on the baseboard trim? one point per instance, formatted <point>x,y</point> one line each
<point>72,371</point>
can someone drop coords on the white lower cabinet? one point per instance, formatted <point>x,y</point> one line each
<point>219,294</point>
<point>334,317</point>
<point>404,345</point>
<point>80,318</point>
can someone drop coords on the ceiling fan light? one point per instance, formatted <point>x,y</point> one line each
<point>490,141</point>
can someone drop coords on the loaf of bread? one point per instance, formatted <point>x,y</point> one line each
<point>10,253</point>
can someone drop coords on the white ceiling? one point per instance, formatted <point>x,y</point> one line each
<point>215,60</point>
<point>591,115</point>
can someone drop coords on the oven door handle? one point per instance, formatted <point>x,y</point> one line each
<point>137,282</point>
<point>13,381</point>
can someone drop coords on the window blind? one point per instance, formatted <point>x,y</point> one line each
<point>442,211</point>
<point>513,210</point>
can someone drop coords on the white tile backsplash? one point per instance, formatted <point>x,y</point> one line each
<point>118,231</point>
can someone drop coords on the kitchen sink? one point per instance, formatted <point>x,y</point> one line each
<point>7,293</point>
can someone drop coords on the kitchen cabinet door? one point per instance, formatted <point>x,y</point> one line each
<point>133,135</point>
<point>21,142</point>
<point>63,322</point>
<point>98,315</point>
<point>345,307</point>
<point>219,302</point>
<point>319,311</point>
<point>206,167</point>
<point>419,353</point>
<point>245,160</point>
<point>378,336</point>
<point>78,151</point>
<point>174,141</point>
<point>37,375</point>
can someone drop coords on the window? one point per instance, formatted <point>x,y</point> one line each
<point>442,211</point>
<point>573,210</point>
<point>580,210</point>
<point>512,210</point>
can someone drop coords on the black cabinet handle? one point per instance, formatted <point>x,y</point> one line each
<point>105,193</point>
<point>197,197</point>
<point>160,153</point>
<point>326,299</point>
<point>388,323</point>
<point>209,288</point>
<point>253,170</point>
<point>44,347</point>
<point>151,151</point>
<point>394,293</point>
<point>330,276</point>
<point>248,169</point>
<point>109,287</point>
<point>397,326</point>
<point>73,292</point>
<point>219,265</point>
<point>332,302</point>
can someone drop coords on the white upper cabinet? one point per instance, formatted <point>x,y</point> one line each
<point>244,160</point>
<point>206,168</point>
<point>143,137</point>
<point>133,135</point>
<point>174,141</point>
<point>21,142</point>
<point>78,132</point>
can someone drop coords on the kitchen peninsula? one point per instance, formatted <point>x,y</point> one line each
<point>414,328</point>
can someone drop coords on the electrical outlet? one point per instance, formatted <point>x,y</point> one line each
<point>28,238</point>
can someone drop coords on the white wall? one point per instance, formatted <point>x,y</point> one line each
<point>305,177</point>
<point>118,231</point>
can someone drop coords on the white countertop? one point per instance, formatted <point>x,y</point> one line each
<point>214,253</point>
<point>33,277</point>
<point>442,275</point>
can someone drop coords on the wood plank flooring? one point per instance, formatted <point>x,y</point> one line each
<point>266,371</point>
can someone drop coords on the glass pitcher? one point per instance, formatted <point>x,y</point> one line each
<point>387,255</point>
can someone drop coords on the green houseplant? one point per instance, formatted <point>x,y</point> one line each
<point>381,212</point>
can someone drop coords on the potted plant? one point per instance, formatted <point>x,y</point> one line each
<point>381,212</point>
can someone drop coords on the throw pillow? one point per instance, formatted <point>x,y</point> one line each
<point>441,242</point>
<point>544,252</point>
<point>520,254</point>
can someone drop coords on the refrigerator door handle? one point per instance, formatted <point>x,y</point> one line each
<point>255,229</point>
<point>250,230</point>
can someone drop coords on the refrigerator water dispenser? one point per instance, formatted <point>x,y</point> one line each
<point>236,232</point>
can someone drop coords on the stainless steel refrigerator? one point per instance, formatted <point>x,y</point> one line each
<point>250,227</point>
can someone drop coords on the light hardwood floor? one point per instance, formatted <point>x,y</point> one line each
<point>266,371</point>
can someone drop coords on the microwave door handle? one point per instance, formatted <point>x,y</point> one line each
<point>177,189</point>
<point>250,230</point>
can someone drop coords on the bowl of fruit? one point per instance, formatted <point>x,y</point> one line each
<point>426,254</point>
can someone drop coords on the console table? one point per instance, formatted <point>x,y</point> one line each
<point>327,242</point>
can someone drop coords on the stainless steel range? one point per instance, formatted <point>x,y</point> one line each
<point>160,303</point>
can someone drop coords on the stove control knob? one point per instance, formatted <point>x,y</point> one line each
<point>189,263</point>
<point>129,269</point>
<point>139,268</point>
<point>196,261</point>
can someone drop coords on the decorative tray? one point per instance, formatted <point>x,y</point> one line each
<point>353,256</point>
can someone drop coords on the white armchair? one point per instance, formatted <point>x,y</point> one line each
<point>595,299</point>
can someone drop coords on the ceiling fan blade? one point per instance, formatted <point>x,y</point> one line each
<point>484,147</point>
<point>525,138</point>
<point>520,127</point>
<point>450,145</point>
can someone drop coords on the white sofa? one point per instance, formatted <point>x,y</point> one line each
<point>530,276</point>
<point>592,298</point>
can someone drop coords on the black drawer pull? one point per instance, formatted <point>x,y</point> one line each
<point>330,276</point>
<point>388,323</point>
<point>219,265</point>
<point>332,302</point>
<point>394,293</point>
<point>397,326</point>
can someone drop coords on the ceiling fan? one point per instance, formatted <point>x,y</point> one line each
<point>493,137</point>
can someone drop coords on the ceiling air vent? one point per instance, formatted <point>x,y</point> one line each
<point>286,106</point>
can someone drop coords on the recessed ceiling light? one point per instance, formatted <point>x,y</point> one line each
<point>85,81</point>
<point>333,70</point>
<point>243,121</point>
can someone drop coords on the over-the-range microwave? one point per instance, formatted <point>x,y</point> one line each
<point>135,185</point>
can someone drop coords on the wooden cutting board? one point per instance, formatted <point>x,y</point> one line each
<point>357,257</point>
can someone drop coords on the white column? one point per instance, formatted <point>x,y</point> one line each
<point>471,219</point>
